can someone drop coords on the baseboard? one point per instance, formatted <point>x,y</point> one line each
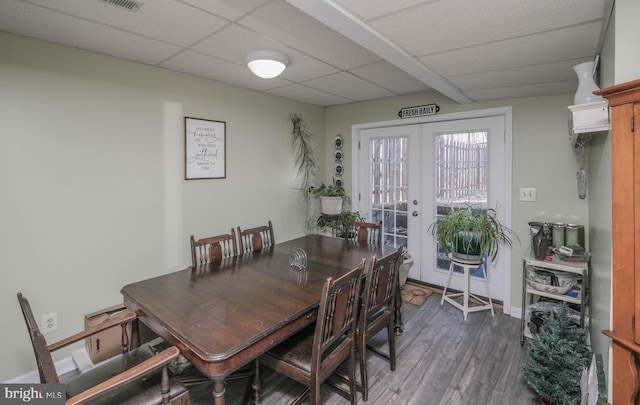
<point>63,366</point>
<point>78,362</point>
<point>514,312</point>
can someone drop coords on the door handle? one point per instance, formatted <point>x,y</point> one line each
<point>415,213</point>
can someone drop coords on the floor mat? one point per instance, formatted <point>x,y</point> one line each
<point>414,294</point>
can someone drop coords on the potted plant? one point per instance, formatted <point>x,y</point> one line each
<point>347,217</point>
<point>470,232</point>
<point>557,355</point>
<point>331,198</point>
<point>303,144</point>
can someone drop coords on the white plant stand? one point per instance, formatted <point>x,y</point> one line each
<point>467,266</point>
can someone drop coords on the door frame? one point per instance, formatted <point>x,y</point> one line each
<point>504,112</point>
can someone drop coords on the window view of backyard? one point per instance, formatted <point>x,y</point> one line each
<point>461,169</point>
<point>389,188</point>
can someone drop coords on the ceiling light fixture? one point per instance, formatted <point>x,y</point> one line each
<point>266,64</point>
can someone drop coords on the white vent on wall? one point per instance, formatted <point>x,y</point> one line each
<point>130,5</point>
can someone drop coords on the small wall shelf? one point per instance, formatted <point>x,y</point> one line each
<point>587,118</point>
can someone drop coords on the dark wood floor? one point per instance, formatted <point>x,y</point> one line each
<point>441,360</point>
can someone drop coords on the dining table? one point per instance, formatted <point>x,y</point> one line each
<point>222,316</point>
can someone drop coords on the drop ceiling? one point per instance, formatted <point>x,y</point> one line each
<point>340,51</point>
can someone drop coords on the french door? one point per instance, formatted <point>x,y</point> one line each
<point>409,175</point>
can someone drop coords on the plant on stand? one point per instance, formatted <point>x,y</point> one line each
<point>305,162</point>
<point>332,197</point>
<point>557,355</point>
<point>470,232</point>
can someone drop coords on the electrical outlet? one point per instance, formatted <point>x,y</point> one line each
<point>50,322</point>
<point>528,194</point>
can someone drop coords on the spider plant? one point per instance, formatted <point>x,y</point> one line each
<point>470,232</point>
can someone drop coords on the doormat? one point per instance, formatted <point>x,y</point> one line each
<point>414,294</point>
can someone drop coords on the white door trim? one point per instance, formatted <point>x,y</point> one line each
<point>505,112</point>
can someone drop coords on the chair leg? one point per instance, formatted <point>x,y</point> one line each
<point>315,394</point>
<point>165,386</point>
<point>391,340</point>
<point>364,379</point>
<point>351,367</point>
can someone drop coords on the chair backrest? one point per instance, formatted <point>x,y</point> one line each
<point>213,248</point>
<point>365,233</point>
<point>256,239</point>
<point>337,315</point>
<point>380,286</point>
<point>46,367</point>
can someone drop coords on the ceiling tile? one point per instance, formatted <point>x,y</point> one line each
<point>386,75</point>
<point>488,48</point>
<point>234,42</point>
<point>197,64</point>
<point>37,22</point>
<point>230,10</point>
<point>426,30</point>
<point>309,95</point>
<point>292,27</point>
<point>369,9</point>
<point>165,20</point>
<point>547,89</point>
<point>348,86</point>
<point>569,43</point>
<point>524,75</point>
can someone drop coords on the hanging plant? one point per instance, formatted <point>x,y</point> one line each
<point>304,157</point>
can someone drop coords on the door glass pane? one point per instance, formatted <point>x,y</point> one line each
<point>461,177</point>
<point>388,202</point>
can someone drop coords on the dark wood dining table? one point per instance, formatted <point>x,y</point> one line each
<point>224,315</point>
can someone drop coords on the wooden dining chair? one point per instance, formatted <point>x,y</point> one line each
<point>255,239</point>
<point>365,233</point>
<point>377,311</point>
<point>314,353</point>
<point>213,248</point>
<point>138,376</point>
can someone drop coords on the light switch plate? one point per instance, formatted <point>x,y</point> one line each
<point>528,194</point>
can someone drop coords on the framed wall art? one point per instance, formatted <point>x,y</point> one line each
<point>205,149</point>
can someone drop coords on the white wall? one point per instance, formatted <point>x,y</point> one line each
<point>92,179</point>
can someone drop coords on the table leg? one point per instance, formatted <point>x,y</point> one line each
<point>256,384</point>
<point>218,391</point>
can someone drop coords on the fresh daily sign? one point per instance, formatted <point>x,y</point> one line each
<point>418,111</point>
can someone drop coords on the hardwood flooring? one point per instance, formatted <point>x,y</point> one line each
<point>441,360</point>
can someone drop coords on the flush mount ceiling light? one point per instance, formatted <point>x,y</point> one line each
<point>266,64</point>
